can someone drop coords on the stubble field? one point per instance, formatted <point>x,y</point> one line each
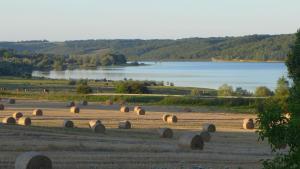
<point>136,148</point>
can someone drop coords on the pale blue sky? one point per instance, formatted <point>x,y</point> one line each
<point>58,20</point>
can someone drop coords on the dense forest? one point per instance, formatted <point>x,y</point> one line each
<point>253,47</point>
<point>15,63</point>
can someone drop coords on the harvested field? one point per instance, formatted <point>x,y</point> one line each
<point>139,147</point>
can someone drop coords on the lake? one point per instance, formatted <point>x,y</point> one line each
<point>191,74</point>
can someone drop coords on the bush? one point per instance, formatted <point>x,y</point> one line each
<point>72,82</point>
<point>229,102</point>
<point>225,90</point>
<point>263,91</point>
<point>84,89</point>
<point>196,92</point>
<point>131,87</point>
<point>83,82</point>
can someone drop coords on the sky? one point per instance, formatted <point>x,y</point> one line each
<point>59,20</point>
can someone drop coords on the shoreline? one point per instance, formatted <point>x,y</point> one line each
<point>224,61</point>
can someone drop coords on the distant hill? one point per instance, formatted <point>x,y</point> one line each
<point>252,47</point>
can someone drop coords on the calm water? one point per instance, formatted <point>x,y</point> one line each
<point>195,74</point>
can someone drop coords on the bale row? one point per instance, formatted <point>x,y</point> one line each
<point>17,115</point>
<point>124,109</point>
<point>124,124</point>
<point>191,141</point>
<point>209,127</point>
<point>140,112</point>
<point>136,108</point>
<point>9,120</point>
<point>98,128</point>
<point>33,160</point>
<point>75,109</point>
<point>94,122</point>
<point>165,132</point>
<point>169,118</point>
<point>68,124</point>
<point>24,121</point>
<point>37,112</point>
<point>248,124</point>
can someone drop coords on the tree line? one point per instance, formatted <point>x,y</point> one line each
<point>253,47</point>
<point>15,63</point>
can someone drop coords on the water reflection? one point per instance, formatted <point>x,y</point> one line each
<point>196,74</point>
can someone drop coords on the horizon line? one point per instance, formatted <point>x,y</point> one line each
<point>144,39</point>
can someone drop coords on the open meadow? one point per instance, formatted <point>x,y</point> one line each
<point>140,147</point>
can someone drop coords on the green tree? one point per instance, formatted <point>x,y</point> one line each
<point>131,87</point>
<point>106,62</point>
<point>263,91</point>
<point>196,92</point>
<point>225,90</point>
<point>58,65</point>
<point>241,92</point>
<point>275,126</point>
<point>84,89</point>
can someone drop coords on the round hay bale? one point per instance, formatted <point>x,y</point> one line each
<point>1,107</point>
<point>98,128</point>
<point>9,120</point>
<point>94,122</point>
<point>165,133</point>
<point>140,112</point>
<point>84,103</point>
<point>68,124</point>
<point>172,119</point>
<point>32,160</point>
<point>37,112</point>
<point>24,121</point>
<point>70,104</point>
<point>248,124</point>
<point>191,141</point>
<point>124,125</point>
<point>11,101</point>
<point>165,117</point>
<point>205,136</point>
<point>17,115</point>
<point>209,127</point>
<point>74,109</point>
<point>124,109</point>
<point>136,108</point>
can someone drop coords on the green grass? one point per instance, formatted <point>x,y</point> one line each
<point>60,90</point>
<point>58,85</point>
